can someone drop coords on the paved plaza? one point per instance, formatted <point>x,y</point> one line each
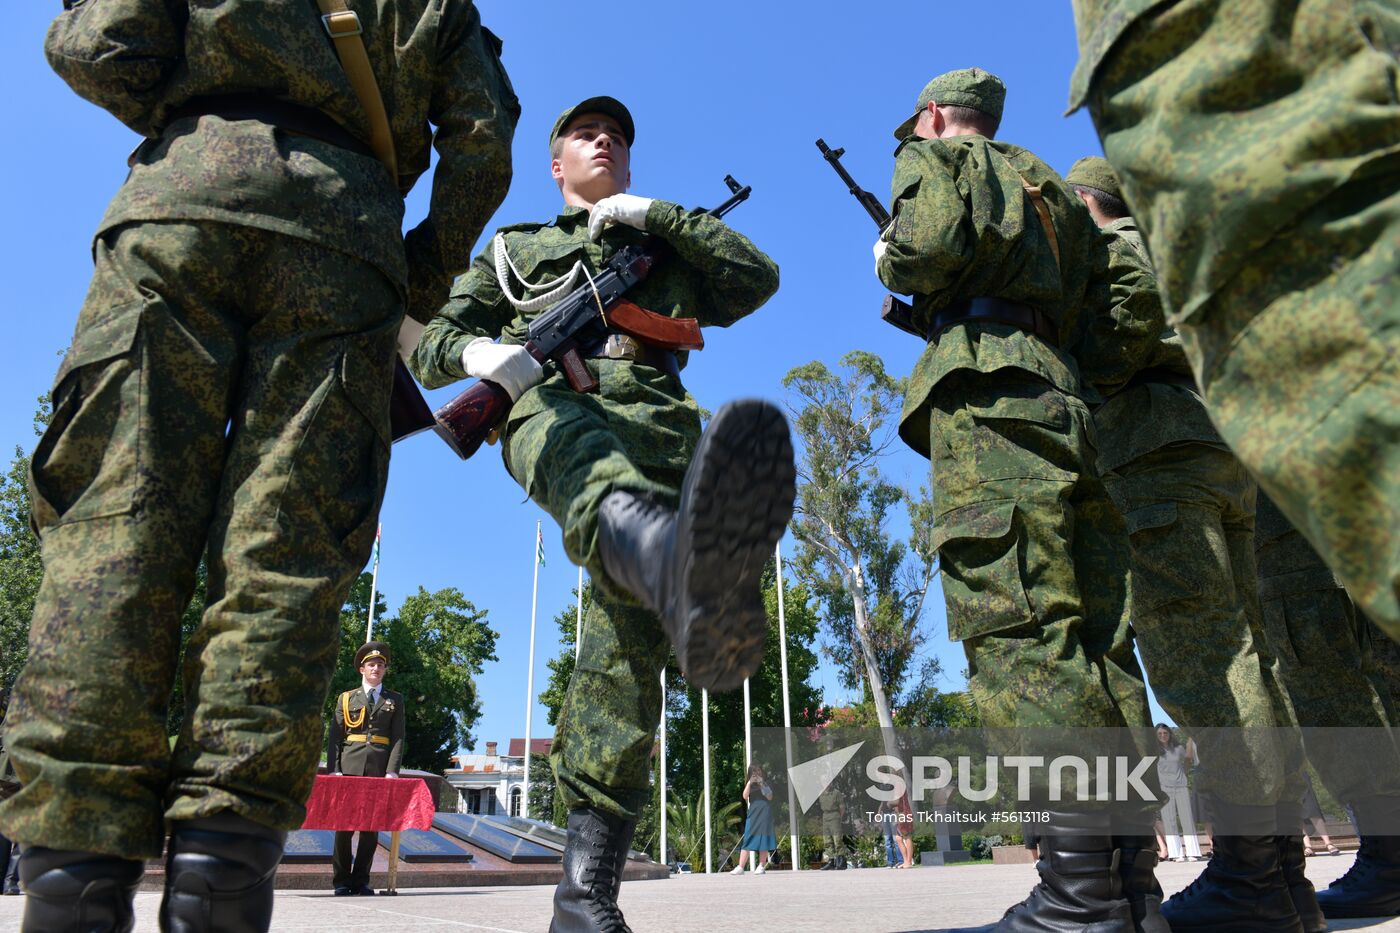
<point>867,900</point>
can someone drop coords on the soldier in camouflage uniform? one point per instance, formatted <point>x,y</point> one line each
<point>1034,554</point>
<point>1256,143</point>
<point>226,396</point>
<point>1324,657</point>
<point>641,497</point>
<point>1189,506</point>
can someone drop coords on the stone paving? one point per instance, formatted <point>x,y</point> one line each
<point>868,900</point>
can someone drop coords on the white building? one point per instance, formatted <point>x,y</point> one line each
<point>489,784</point>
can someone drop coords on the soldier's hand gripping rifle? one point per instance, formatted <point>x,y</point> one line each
<point>893,310</point>
<point>590,310</point>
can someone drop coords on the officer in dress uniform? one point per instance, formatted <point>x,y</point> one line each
<point>366,740</point>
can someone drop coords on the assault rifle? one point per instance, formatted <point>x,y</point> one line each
<point>589,311</point>
<point>894,310</point>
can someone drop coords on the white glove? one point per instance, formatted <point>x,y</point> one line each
<point>392,775</point>
<point>879,249</point>
<point>618,208</point>
<point>510,367</point>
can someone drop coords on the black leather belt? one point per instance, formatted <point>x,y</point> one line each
<point>286,116</point>
<point>624,347</point>
<point>1161,374</point>
<point>996,311</point>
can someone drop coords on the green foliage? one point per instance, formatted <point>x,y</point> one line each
<point>438,644</point>
<point>685,830</point>
<point>871,587</point>
<point>21,569</point>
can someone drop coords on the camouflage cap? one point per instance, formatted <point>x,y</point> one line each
<point>1095,172</point>
<point>371,650</point>
<point>966,87</point>
<point>607,105</point>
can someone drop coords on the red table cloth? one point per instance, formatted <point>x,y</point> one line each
<point>369,804</point>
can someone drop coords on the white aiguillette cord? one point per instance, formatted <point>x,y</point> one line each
<point>553,290</point>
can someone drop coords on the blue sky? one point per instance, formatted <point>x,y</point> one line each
<point>715,88</point>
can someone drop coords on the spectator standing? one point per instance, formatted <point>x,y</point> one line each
<point>758,826</point>
<point>1178,819</point>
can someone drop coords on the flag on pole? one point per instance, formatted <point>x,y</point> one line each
<point>539,545</point>
<point>378,530</point>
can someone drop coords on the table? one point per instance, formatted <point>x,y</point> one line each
<point>371,804</point>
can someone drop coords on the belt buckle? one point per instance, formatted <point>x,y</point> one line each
<point>336,22</point>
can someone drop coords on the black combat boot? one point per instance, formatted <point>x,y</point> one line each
<point>1294,865</point>
<point>1371,888</point>
<point>1137,864</point>
<point>1081,885</point>
<point>1242,889</point>
<point>698,567</point>
<point>79,891</point>
<point>586,899</point>
<point>219,873</point>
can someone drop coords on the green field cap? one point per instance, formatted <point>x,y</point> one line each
<point>1095,172</point>
<point>966,87</point>
<point>608,105</point>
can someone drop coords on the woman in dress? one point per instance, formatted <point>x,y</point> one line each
<point>758,826</point>
<point>1172,761</point>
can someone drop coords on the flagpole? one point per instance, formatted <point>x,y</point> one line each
<point>373,584</point>
<point>787,713</point>
<point>578,626</point>
<point>705,746</point>
<point>664,860</point>
<point>748,730</point>
<point>530,675</point>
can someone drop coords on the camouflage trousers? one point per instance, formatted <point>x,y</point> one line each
<point>1260,142</point>
<point>1189,508</point>
<point>1034,555</point>
<point>1324,658</point>
<point>225,396</point>
<point>569,451</point>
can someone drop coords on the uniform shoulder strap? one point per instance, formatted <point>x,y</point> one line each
<point>343,25</point>
<point>1043,212</point>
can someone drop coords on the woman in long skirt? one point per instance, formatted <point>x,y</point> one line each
<point>758,826</point>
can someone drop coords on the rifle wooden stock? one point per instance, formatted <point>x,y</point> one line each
<point>666,333</point>
<point>469,418</point>
<point>901,314</point>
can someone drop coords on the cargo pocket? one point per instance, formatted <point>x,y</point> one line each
<point>1162,572</point>
<point>1024,432</point>
<point>979,551</point>
<point>87,463</point>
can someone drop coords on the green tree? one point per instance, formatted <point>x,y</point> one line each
<point>21,569</point>
<point>438,643</point>
<point>871,587</point>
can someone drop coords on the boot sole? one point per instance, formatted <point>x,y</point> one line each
<point>742,488</point>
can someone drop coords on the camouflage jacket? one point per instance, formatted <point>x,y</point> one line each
<point>964,228</point>
<point>714,274</point>
<point>434,63</point>
<point>1140,414</point>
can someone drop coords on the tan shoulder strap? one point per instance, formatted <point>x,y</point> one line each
<point>1043,212</point>
<point>343,24</point>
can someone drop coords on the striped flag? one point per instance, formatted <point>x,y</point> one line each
<point>539,545</point>
<point>378,530</point>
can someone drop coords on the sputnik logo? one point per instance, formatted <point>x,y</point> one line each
<point>811,778</point>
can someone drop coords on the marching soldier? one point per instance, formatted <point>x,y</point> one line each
<point>226,396</point>
<point>1324,651</point>
<point>366,740</point>
<point>1270,198</point>
<point>1004,262</point>
<point>1189,507</point>
<point>675,528</point>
